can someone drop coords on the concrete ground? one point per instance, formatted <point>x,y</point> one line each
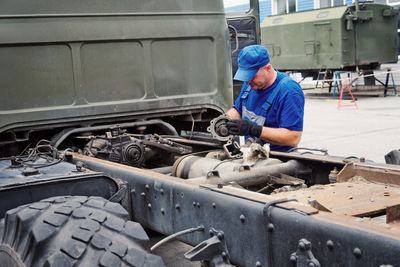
<point>371,130</point>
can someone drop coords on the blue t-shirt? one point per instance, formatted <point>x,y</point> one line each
<point>286,111</point>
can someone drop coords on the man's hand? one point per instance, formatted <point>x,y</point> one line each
<point>244,127</point>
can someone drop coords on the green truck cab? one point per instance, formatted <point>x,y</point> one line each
<point>91,62</point>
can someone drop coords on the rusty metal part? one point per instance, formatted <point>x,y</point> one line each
<point>193,142</point>
<point>359,198</point>
<point>381,173</point>
<point>251,176</point>
<point>393,214</point>
<point>232,149</point>
<point>315,204</point>
<point>167,145</point>
<point>192,166</point>
<point>219,129</point>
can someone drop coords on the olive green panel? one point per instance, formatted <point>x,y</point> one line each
<point>77,66</point>
<point>35,75</point>
<point>112,71</point>
<point>311,16</point>
<point>332,38</point>
<point>184,67</point>
<point>304,40</point>
<point>377,41</point>
<point>105,6</point>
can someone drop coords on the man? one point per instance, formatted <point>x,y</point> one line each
<point>270,105</point>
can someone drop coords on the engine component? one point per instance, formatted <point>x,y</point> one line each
<point>117,148</point>
<point>167,145</point>
<point>209,170</point>
<point>62,136</point>
<point>219,129</point>
<point>232,149</point>
<point>188,167</point>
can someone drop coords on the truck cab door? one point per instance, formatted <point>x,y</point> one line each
<point>243,18</point>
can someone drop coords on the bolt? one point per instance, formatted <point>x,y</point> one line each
<point>214,205</point>
<point>143,194</point>
<point>386,193</point>
<point>271,227</point>
<point>242,218</point>
<point>362,159</point>
<point>133,191</point>
<point>79,166</point>
<point>147,187</point>
<point>357,252</point>
<point>177,206</point>
<point>311,264</point>
<point>330,244</point>
<point>149,206</point>
<point>220,185</point>
<point>211,232</point>
<point>220,236</point>
<point>293,258</point>
<point>223,254</point>
<point>194,204</point>
<point>302,246</point>
<point>162,211</point>
<point>198,204</point>
<point>258,264</point>
<point>162,191</point>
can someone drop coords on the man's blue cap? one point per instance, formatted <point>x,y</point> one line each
<point>250,60</point>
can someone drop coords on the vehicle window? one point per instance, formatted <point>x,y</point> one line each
<point>236,6</point>
<point>283,7</point>
<point>324,3</point>
<point>292,6</point>
<point>338,3</point>
<point>329,3</point>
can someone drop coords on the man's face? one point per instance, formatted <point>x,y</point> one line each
<point>260,80</point>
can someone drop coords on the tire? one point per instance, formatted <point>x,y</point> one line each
<point>73,231</point>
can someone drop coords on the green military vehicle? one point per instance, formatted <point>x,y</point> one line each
<point>343,38</point>
<point>112,136</point>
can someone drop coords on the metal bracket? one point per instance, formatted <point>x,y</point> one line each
<point>303,257</point>
<point>213,250</point>
<point>120,194</point>
<point>123,196</point>
<point>232,149</point>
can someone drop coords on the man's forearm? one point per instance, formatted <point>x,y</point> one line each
<point>281,136</point>
<point>233,113</point>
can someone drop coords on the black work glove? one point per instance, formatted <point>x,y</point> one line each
<point>244,127</point>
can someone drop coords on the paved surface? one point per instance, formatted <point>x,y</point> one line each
<point>371,130</point>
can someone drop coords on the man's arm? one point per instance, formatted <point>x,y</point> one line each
<point>234,114</point>
<point>280,136</point>
<point>277,136</point>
